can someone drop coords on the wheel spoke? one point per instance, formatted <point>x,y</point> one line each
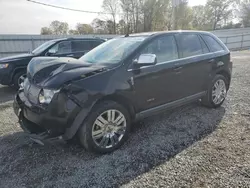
<point>213,93</point>
<point>104,142</point>
<point>113,139</point>
<point>221,85</point>
<point>99,123</point>
<point>121,120</point>
<point>102,120</point>
<point>98,134</point>
<point>111,115</point>
<point>216,85</point>
<point>118,119</point>
<point>216,99</point>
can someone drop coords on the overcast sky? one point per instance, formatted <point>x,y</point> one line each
<point>23,17</point>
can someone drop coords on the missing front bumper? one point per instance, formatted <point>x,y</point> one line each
<point>33,131</point>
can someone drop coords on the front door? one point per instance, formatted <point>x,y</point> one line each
<point>153,84</point>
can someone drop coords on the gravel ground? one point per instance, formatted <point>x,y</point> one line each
<point>190,146</point>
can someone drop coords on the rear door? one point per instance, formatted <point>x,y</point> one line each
<point>80,47</point>
<point>193,69</point>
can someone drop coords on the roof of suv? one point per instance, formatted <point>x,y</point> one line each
<point>165,32</point>
<point>79,38</point>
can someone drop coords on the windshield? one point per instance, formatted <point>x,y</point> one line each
<point>113,51</point>
<point>43,47</point>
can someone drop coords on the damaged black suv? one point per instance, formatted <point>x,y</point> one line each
<point>97,97</point>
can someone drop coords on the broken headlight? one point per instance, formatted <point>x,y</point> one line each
<point>46,95</point>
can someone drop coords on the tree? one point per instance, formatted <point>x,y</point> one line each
<point>55,28</point>
<point>99,26</point>
<point>73,32</point>
<point>121,27</point>
<point>218,10</point>
<point>200,18</point>
<point>59,28</point>
<point>112,7</point>
<point>183,16</point>
<point>160,19</point>
<point>245,13</point>
<point>46,31</point>
<point>84,29</point>
<point>146,15</point>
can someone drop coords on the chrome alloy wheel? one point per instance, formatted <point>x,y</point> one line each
<point>219,91</point>
<point>109,128</point>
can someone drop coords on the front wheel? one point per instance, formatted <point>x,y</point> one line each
<point>106,128</point>
<point>19,78</point>
<point>217,92</point>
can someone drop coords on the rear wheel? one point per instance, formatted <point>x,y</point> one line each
<point>217,92</point>
<point>19,78</point>
<point>106,128</point>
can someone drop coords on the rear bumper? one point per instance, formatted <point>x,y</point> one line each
<point>51,121</point>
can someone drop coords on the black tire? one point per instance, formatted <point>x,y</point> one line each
<point>207,100</point>
<point>17,77</point>
<point>85,132</point>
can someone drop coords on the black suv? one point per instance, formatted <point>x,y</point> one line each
<point>97,97</point>
<point>13,69</point>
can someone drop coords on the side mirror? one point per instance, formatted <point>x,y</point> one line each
<point>51,52</point>
<point>146,60</point>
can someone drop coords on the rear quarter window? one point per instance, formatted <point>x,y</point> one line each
<point>212,43</point>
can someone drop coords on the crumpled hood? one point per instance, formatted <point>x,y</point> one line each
<point>52,72</point>
<point>10,58</point>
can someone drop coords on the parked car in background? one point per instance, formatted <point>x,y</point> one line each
<point>13,69</point>
<point>97,97</point>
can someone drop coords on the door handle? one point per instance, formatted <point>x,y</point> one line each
<point>178,68</point>
<point>211,61</point>
<point>70,55</point>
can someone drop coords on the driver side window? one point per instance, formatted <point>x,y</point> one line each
<point>163,47</point>
<point>62,47</point>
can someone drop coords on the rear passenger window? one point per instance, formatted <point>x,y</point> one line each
<point>190,45</point>
<point>164,48</point>
<point>79,46</point>
<point>213,44</point>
